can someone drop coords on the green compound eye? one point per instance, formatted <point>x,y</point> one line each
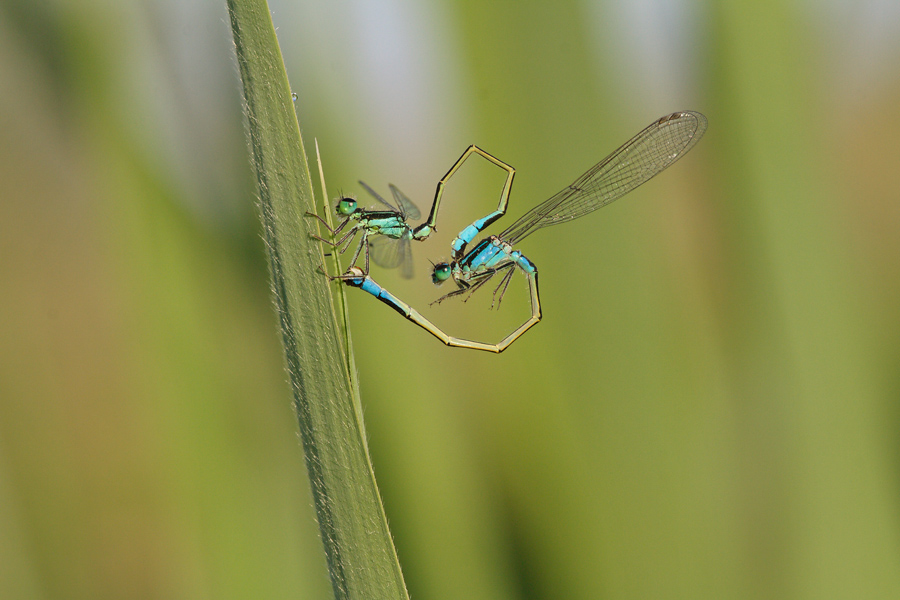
<point>346,206</point>
<point>441,273</point>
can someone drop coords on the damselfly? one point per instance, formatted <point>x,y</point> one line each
<point>638,160</point>
<point>390,246</point>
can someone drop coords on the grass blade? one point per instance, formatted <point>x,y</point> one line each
<point>342,310</point>
<point>360,554</point>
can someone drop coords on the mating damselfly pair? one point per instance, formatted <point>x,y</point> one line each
<point>387,235</point>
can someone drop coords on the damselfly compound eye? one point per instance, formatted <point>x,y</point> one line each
<point>346,206</point>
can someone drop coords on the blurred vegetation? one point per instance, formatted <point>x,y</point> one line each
<point>708,410</point>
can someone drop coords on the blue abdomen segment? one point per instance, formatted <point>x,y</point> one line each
<point>469,233</point>
<point>367,285</point>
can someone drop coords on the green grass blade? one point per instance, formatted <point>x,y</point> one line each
<point>360,554</point>
<point>342,310</point>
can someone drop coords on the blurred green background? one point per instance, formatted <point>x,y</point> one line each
<point>709,408</point>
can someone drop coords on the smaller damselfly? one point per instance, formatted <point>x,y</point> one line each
<point>385,233</point>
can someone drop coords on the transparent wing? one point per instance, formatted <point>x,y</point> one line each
<point>635,162</point>
<point>391,253</point>
<point>406,261</point>
<point>380,199</point>
<point>406,205</point>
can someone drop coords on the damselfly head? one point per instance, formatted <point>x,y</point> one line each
<point>441,273</point>
<point>346,206</point>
